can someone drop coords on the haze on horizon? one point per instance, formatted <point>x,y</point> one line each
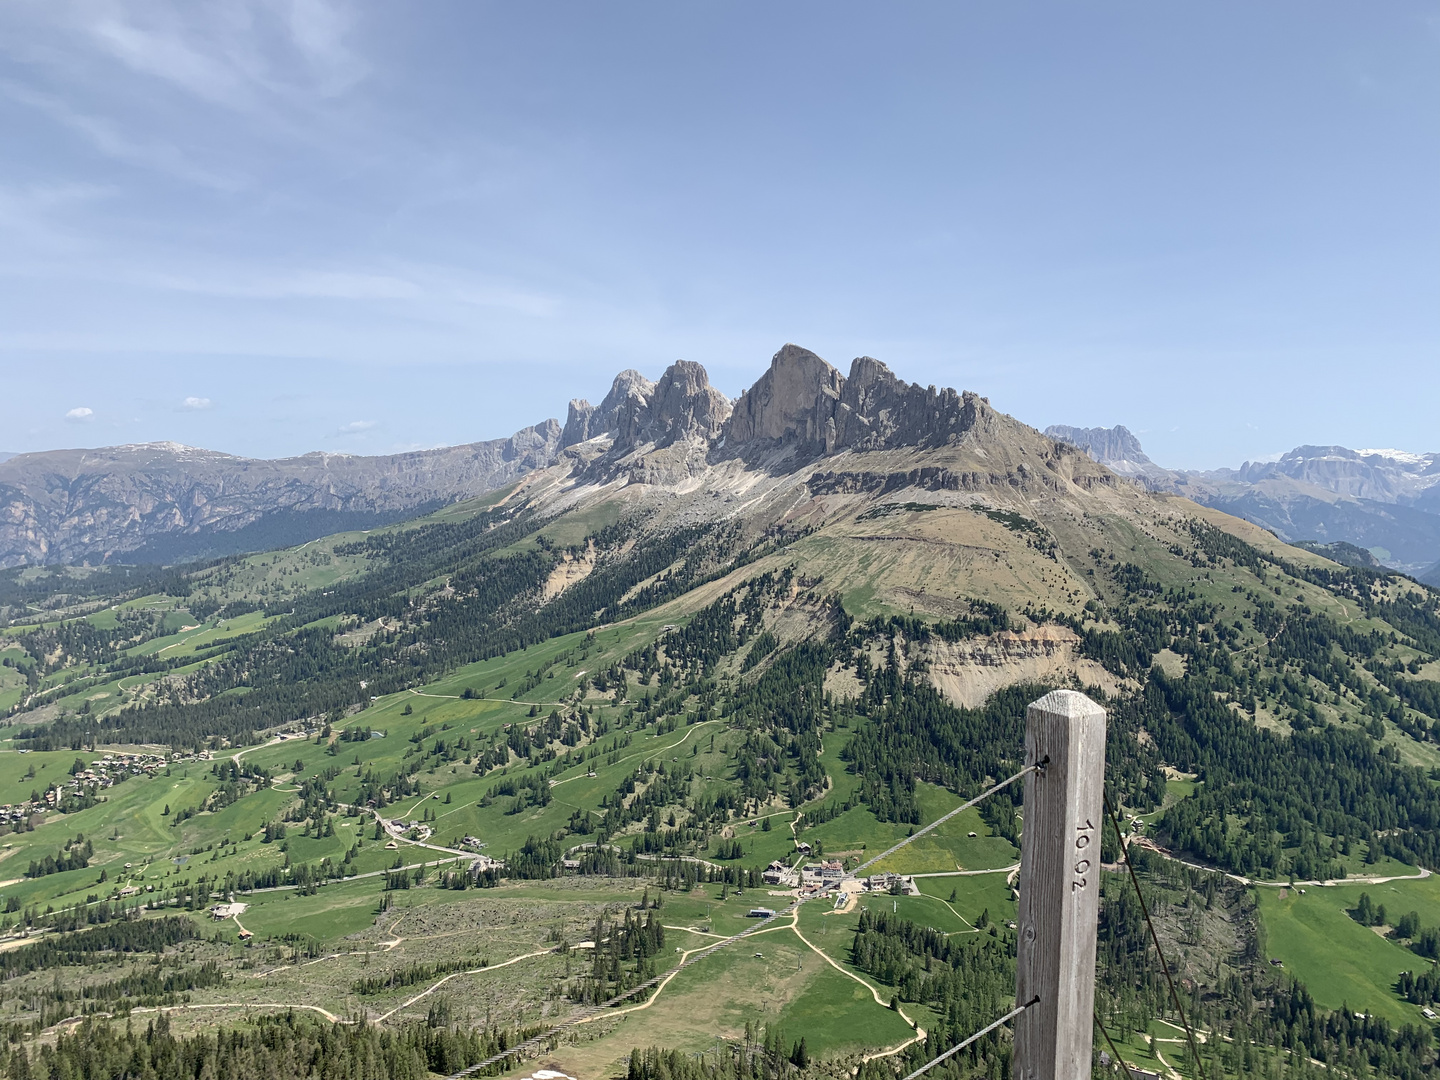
<point>275,226</point>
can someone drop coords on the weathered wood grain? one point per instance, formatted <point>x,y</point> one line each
<point>1059,887</point>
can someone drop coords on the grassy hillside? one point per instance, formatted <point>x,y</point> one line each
<point>672,689</point>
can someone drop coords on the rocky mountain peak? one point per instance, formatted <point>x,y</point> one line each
<point>166,501</point>
<point>1117,449</point>
<point>1116,443</point>
<point>629,393</point>
<point>802,402</point>
<point>1384,476</point>
<point>685,405</point>
<point>790,403</point>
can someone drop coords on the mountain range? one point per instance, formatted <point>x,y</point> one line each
<point>1386,502</point>
<point>680,621</point>
<point>165,502</point>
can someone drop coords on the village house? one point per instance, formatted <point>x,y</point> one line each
<point>892,883</point>
<point>778,873</point>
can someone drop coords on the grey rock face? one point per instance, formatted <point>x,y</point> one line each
<point>803,402</point>
<point>792,403</point>
<point>577,423</point>
<point>1117,449</point>
<point>629,395</point>
<point>1385,476</point>
<point>1102,444</point>
<point>879,411</point>
<point>683,405</point>
<point>663,431</point>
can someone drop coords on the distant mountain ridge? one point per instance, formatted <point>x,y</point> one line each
<point>168,502</point>
<point>1384,501</point>
<point>1116,448</point>
<point>162,502</point>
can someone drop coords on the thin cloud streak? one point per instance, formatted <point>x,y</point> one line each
<point>106,137</point>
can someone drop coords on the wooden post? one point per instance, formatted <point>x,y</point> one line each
<point>1059,887</point>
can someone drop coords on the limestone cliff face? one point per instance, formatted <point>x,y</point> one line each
<point>804,403</point>
<point>968,672</point>
<point>683,405</point>
<point>1119,450</point>
<point>791,404</point>
<point>880,412</point>
<point>664,435</point>
<point>629,393</point>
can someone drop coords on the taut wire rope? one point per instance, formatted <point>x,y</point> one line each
<point>1145,910</point>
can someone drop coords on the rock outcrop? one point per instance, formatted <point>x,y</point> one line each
<point>629,393</point>
<point>969,671</point>
<point>682,405</point>
<point>1118,450</point>
<point>803,403</point>
<point>793,403</point>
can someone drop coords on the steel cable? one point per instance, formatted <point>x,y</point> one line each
<point>982,1032</point>
<point>1145,910</point>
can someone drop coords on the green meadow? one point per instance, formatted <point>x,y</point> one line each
<point>1341,962</point>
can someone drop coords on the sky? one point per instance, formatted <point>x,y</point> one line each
<point>275,226</point>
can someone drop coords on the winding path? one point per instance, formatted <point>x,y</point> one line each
<point>919,1031</point>
<point>475,971</point>
<point>1359,879</point>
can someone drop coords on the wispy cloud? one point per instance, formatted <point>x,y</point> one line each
<point>280,64</point>
<point>512,299</point>
<point>233,54</point>
<point>319,284</point>
<point>355,427</point>
<point>80,414</point>
<point>195,404</point>
<point>108,138</point>
<point>29,212</point>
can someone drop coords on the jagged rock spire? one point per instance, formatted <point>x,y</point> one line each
<point>804,403</point>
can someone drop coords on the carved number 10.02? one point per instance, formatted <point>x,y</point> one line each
<point>1082,862</point>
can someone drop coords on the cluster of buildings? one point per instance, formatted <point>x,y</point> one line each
<point>112,768</point>
<point>815,878</point>
<point>819,877</point>
<point>779,873</point>
<point>900,884</point>
<point>103,773</point>
<point>414,829</point>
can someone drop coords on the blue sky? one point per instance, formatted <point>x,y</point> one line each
<point>274,226</point>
